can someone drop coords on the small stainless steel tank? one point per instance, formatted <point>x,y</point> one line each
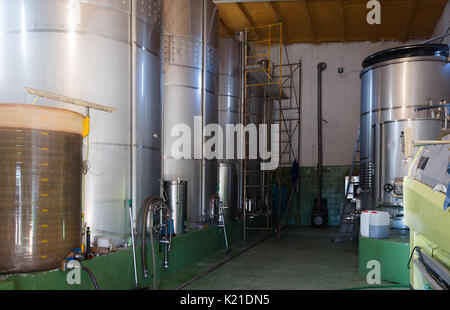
<point>175,193</point>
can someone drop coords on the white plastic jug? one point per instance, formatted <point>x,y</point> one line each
<point>364,223</point>
<point>379,224</point>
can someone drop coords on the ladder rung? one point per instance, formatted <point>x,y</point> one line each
<point>254,99</point>
<point>257,41</point>
<point>256,70</point>
<point>257,56</point>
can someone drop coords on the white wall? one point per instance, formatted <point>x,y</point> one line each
<point>443,24</point>
<point>341,97</point>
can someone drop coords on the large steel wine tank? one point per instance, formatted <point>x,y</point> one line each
<point>190,90</point>
<point>40,186</point>
<point>107,52</point>
<point>394,83</point>
<point>229,102</point>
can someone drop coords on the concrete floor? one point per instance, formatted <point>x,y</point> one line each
<point>304,259</point>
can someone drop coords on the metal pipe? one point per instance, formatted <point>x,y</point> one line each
<point>320,68</point>
<point>133,244</point>
<point>242,198</point>
<point>132,100</point>
<point>203,197</point>
<point>299,98</point>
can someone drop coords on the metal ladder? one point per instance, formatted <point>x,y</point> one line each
<point>258,72</point>
<point>348,208</point>
<point>221,224</point>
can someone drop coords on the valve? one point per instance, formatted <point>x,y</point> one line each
<point>388,188</point>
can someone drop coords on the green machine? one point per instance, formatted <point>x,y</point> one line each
<point>427,214</point>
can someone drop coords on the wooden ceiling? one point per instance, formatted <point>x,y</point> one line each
<point>320,21</point>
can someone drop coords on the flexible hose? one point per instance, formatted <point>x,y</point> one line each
<point>147,207</point>
<point>91,275</point>
<point>150,208</point>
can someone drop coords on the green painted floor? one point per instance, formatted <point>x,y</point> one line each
<point>303,259</point>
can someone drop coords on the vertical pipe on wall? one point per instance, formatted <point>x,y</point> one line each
<point>203,199</point>
<point>299,137</point>
<point>321,67</point>
<point>132,73</point>
<point>242,39</point>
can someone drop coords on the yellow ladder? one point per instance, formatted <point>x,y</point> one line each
<point>259,74</point>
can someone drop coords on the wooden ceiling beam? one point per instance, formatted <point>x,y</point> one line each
<point>341,9</point>
<point>305,7</point>
<point>275,13</point>
<point>408,21</point>
<point>403,14</point>
<point>242,11</point>
<point>225,28</point>
<point>237,7</point>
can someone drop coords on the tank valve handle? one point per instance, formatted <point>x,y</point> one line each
<point>388,188</point>
<point>72,260</point>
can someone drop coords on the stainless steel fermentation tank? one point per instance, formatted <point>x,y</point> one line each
<point>229,104</point>
<point>107,52</point>
<point>175,193</point>
<point>190,90</point>
<point>394,83</point>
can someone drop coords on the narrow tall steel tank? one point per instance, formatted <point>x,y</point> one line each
<point>190,90</point>
<point>107,52</point>
<point>229,101</point>
<point>40,186</point>
<point>394,83</point>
